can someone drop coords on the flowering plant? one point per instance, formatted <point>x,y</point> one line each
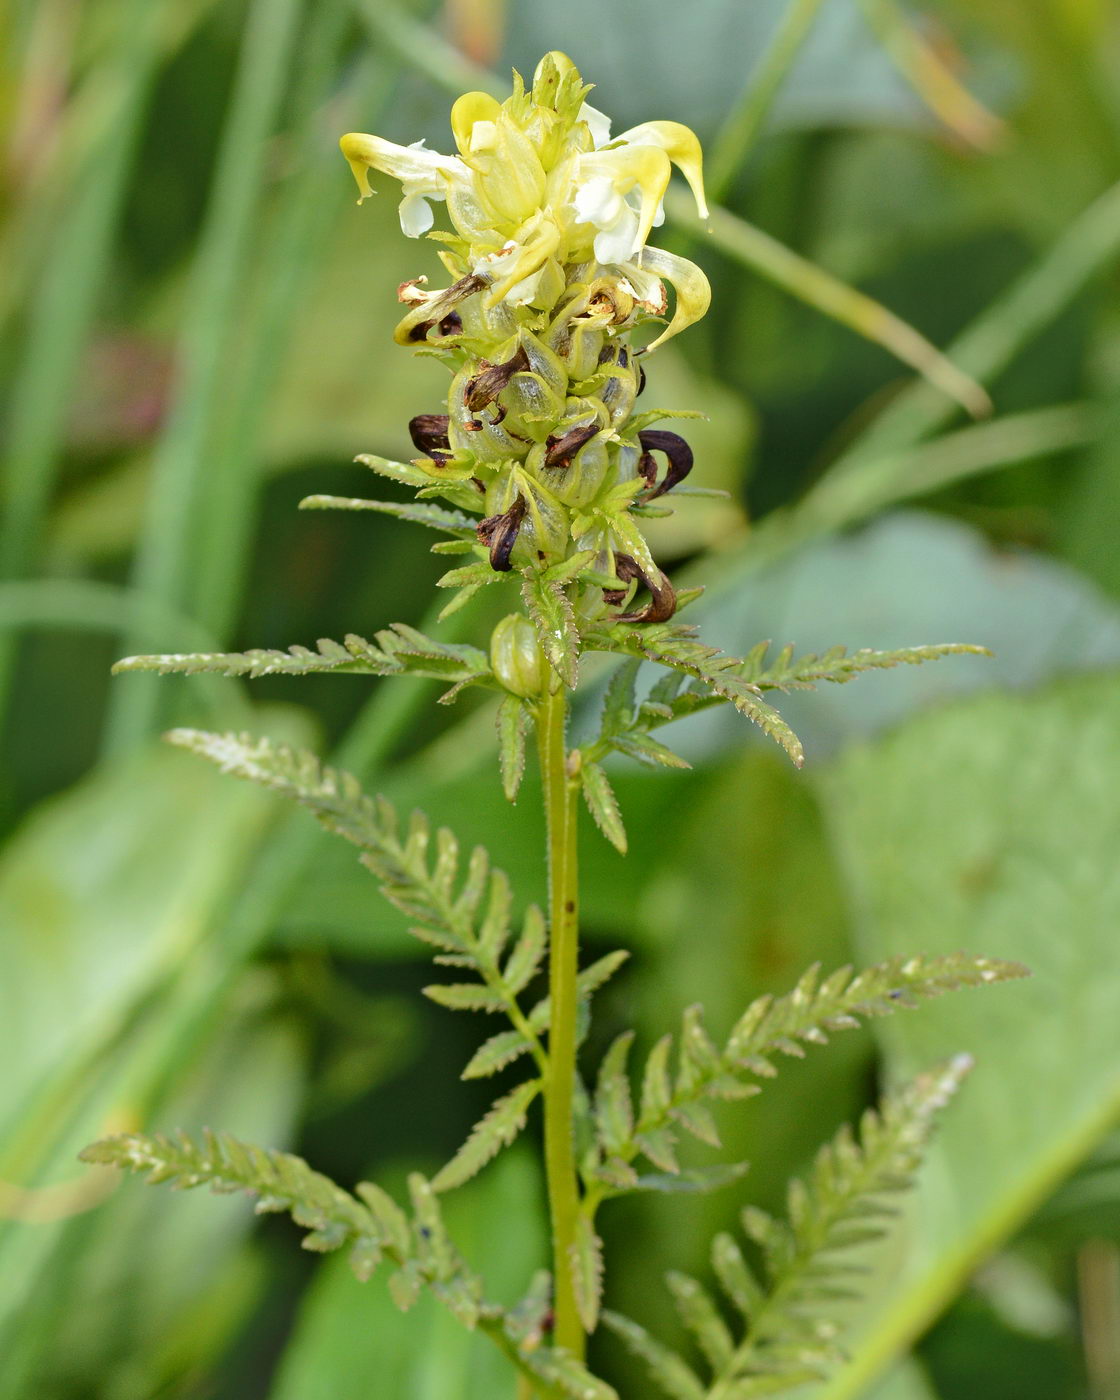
<point>540,474</point>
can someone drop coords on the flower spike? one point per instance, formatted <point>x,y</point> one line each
<point>551,272</point>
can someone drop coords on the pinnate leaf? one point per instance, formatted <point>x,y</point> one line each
<point>603,805</point>
<point>587,1272</point>
<point>488,1136</point>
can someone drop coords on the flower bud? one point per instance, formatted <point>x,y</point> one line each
<point>515,656</point>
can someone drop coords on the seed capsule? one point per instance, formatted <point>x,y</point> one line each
<point>515,656</point>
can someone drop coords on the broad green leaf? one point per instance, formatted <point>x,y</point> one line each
<point>183,1263</point>
<point>995,820</point>
<point>98,905</point>
<point>907,577</point>
<point>905,1381</point>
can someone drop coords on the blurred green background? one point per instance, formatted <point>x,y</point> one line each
<point>196,327</point>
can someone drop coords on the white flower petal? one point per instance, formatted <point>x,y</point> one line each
<point>618,243</point>
<point>598,123</point>
<point>598,202</point>
<point>416,215</point>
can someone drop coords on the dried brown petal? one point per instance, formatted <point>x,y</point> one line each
<point>677,452</point>
<point>428,432</point>
<point>559,451</point>
<point>663,597</point>
<point>485,386</point>
<point>499,533</point>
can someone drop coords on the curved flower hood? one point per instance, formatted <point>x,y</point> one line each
<point>541,198</point>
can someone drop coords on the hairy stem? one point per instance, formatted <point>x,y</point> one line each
<point>563,880</point>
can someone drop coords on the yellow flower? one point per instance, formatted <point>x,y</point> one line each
<point>541,197</point>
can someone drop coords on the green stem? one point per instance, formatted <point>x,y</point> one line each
<point>563,896</point>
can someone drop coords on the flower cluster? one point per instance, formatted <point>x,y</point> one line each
<point>551,270</point>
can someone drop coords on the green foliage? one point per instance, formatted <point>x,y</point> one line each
<point>370,1225</point>
<point>488,1136</point>
<point>399,650</point>
<point>435,517</point>
<point>1024,871</point>
<point>272,284</point>
<point>603,804</point>
<point>787,1338</point>
<point>627,723</point>
<point>465,916</point>
<point>513,723</point>
<point>789,672</point>
<point>551,611</point>
<point>587,1272</point>
<point>282,1182</point>
<point>770,1027</point>
<point>674,646</point>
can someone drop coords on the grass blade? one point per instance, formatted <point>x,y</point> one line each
<point>811,284</point>
<point>64,305</point>
<point>290,253</point>
<point>740,131</point>
<point>934,82</point>
<point>163,565</point>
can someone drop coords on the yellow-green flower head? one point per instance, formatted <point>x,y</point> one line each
<point>541,196</point>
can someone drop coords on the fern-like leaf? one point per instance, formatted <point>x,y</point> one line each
<point>282,1182</point>
<point>676,647</point>
<point>715,679</point>
<point>513,725</point>
<point>450,522</point>
<point>669,1371</point>
<point>603,805</point>
<point>488,1136</point>
<point>787,672</point>
<point>771,1028</point>
<point>841,1207</point>
<point>785,1340</point>
<point>295,661</point>
<point>399,650</point>
<point>466,916</point>
<point>551,611</point>
<point>587,1272</point>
